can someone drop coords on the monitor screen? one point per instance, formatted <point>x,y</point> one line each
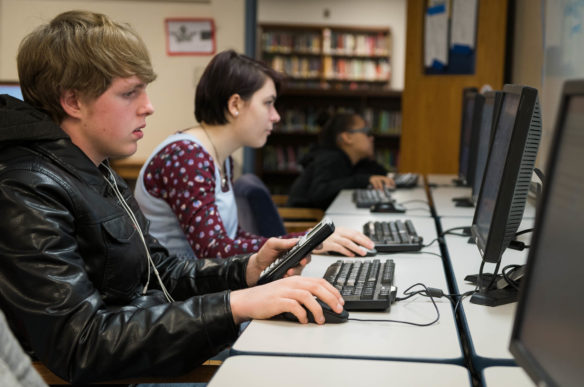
<point>466,133</point>
<point>548,334</point>
<point>489,116</point>
<point>11,88</point>
<point>508,172</point>
<point>494,171</point>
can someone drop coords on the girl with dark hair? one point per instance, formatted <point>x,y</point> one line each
<point>185,187</point>
<point>343,160</point>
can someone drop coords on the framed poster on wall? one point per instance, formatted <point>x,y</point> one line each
<point>190,36</point>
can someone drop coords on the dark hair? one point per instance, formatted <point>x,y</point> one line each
<point>229,73</point>
<point>337,124</point>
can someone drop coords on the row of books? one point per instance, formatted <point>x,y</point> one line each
<point>333,42</point>
<point>285,158</point>
<point>348,43</point>
<point>385,122</point>
<point>388,158</point>
<point>332,68</point>
<point>288,42</point>
<point>357,69</point>
<point>297,67</point>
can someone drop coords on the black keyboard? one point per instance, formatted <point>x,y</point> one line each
<point>393,236</point>
<point>364,284</point>
<point>366,197</point>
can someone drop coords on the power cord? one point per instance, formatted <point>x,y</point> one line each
<point>465,231</point>
<point>524,231</point>
<point>426,292</point>
<point>432,242</point>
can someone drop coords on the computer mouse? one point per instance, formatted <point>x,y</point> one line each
<point>330,316</point>
<point>388,207</point>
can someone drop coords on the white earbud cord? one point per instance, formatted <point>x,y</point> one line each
<point>130,213</point>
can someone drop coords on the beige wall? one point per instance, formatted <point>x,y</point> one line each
<point>375,13</point>
<point>173,92</point>
<point>528,58</point>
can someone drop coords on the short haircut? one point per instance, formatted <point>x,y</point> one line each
<point>82,51</point>
<point>337,124</point>
<point>227,74</point>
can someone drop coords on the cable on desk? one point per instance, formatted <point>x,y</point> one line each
<point>507,271</point>
<point>524,231</point>
<point>518,245</point>
<point>463,296</point>
<point>466,231</point>
<point>432,242</point>
<point>422,252</point>
<point>417,209</point>
<point>428,293</point>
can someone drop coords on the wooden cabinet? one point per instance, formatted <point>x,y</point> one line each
<point>329,69</point>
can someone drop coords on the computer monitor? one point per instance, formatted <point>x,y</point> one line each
<point>507,175</point>
<point>548,335</point>
<point>11,88</point>
<point>472,103</point>
<point>489,117</point>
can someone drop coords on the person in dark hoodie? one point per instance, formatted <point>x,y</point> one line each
<point>84,286</point>
<point>343,160</point>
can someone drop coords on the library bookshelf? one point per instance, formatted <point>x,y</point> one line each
<point>329,69</point>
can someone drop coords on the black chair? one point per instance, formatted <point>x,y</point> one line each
<point>256,211</point>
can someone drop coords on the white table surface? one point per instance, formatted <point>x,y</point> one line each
<point>441,180</point>
<point>442,196</point>
<point>506,376</point>
<point>489,327</point>
<point>343,203</point>
<point>368,340</point>
<point>270,371</point>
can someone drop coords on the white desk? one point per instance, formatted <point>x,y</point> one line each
<point>343,203</point>
<point>442,196</point>
<point>368,340</point>
<point>489,327</point>
<point>506,376</point>
<point>441,180</point>
<point>269,371</point>
<point>444,206</point>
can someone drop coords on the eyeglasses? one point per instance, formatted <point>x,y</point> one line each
<point>366,131</point>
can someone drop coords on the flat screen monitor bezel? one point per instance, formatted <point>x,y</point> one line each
<point>10,84</point>
<point>467,93</point>
<point>522,356</point>
<point>493,246</point>
<point>496,97</point>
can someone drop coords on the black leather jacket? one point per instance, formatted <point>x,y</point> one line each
<point>73,268</point>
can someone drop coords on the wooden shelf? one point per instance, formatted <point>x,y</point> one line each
<point>328,70</point>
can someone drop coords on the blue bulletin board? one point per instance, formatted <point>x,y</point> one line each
<point>450,28</point>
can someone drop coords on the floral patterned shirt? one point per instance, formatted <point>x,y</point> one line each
<point>183,175</point>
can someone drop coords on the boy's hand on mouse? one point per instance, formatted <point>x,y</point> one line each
<point>272,249</point>
<point>285,295</point>
<point>380,182</point>
<point>347,242</point>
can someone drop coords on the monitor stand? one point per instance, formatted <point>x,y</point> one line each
<point>495,297</point>
<point>499,293</point>
<point>459,182</point>
<point>463,202</point>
